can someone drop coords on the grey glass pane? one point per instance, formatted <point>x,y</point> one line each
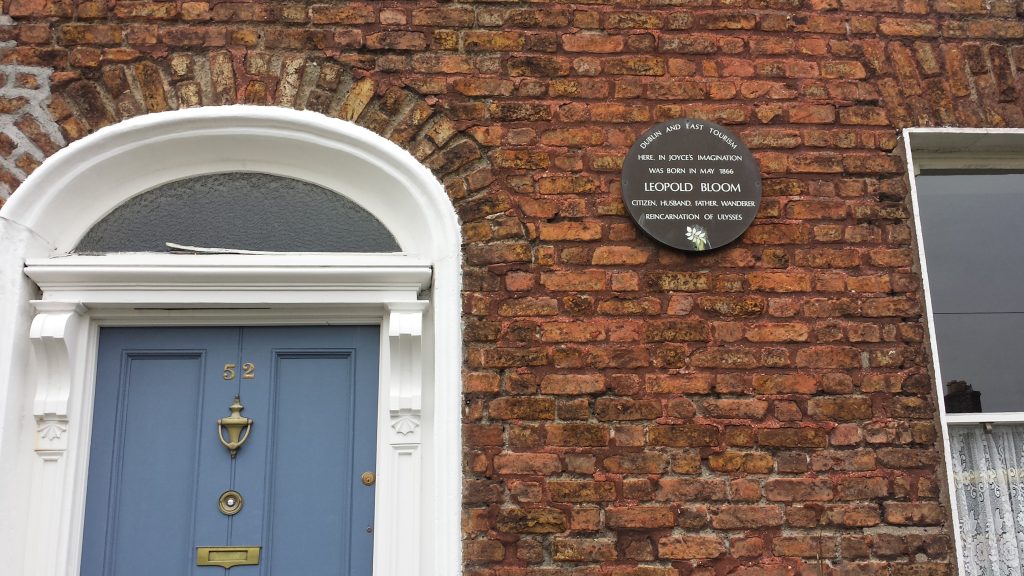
<point>983,350</point>
<point>974,245</point>
<point>974,241</point>
<point>239,210</point>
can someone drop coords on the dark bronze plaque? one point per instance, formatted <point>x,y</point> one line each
<point>691,184</point>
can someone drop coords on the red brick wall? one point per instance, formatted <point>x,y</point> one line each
<point>629,410</point>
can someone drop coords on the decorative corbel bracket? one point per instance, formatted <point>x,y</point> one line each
<point>54,335</point>
<point>399,500</point>
<point>405,382</point>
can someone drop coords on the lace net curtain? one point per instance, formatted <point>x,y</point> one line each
<point>988,470</point>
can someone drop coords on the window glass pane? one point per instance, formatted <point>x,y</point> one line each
<point>239,210</point>
<point>974,244</point>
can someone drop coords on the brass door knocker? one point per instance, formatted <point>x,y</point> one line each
<point>238,428</point>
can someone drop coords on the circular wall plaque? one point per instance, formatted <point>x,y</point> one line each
<point>691,184</point>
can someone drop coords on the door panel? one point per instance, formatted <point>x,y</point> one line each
<point>157,467</point>
<point>304,430</point>
<point>309,523</point>
<point>148,456</point>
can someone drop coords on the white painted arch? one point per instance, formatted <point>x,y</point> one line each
<point>51,305</point>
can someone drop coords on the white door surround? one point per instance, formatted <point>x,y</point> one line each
<point>52,305</point>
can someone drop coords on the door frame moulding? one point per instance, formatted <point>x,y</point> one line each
<point>52,305</point>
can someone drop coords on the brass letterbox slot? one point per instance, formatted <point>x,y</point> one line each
<point>228,556</point>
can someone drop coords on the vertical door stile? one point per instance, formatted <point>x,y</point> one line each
<point>214,468</point>
<point>236,389</point>
<point>120,402</point>
<point>255,458</point>
<point>202,400</point>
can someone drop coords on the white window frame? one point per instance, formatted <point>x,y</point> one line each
<point>956,149</point>
<point>52,305</point>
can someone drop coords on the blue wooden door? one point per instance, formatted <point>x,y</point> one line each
<point>157,468</point>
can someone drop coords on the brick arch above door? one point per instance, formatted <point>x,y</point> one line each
<point>50,109</point>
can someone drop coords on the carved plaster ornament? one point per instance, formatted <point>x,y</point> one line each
<point>54,337</point>
<point>405,425</point>
<point>405,386</point>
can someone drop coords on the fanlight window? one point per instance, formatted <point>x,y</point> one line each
<point>233,211</point>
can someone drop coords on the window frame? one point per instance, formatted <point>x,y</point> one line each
<point>955,149</point>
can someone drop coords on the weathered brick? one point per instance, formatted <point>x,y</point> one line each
<point>626,409</point>
<point>91,34</point>
<point>532,521</point>
<point>858,488</point>
<point>483,550</point>
<point>733,461</point>
<point>735,409</point>
<point>569,230</point>
<point>573,384</point>
<point>829,357</point>
<point>529,306</point>
<point>724,357</point>
<point>841,409</point>
<point>527,463</point>
<point>679,282</point>
<point>636,517</point>
<point>634,65</point>
<point>677,384</point>
<point>676,331</point>
<point>349,13</point>
<point>733,305</point>
<point>583,550</point>
<point>575,281</point>
<point>844,460</point>
<point>690,547</point>
<point>630,306</point>
<point>577,435</point>
<point>797,281</point>
<point>620,255</point>
<point>684,435</point>
<point>785,384</point>
<point>778,332</point>
<point>736,516</point>
<point>396,40</point>
<point>581,491</point>
<point>798,489</point>
<point>792,437</point>
<point>636,463</point>
<point>592,42</point>
<point>914,513</point>
<point>852,515</point>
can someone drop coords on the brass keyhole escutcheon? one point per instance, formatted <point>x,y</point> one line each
<point>368,478</point>
<point>230,503</point>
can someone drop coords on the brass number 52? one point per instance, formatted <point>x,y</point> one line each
<point>248,371</point>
